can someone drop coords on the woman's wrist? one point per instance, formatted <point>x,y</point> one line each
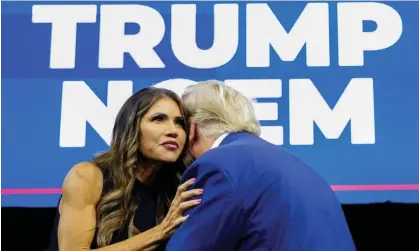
<point>161,232</point>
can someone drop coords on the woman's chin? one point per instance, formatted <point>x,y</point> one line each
<point>170,159</point>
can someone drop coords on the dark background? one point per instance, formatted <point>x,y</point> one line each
<point>383,226</point>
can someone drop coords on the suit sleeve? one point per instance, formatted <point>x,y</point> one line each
<point>215,224</point>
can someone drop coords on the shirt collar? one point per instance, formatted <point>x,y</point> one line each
<point>218,141</point>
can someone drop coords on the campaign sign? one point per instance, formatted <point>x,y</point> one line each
<point>335,83</point>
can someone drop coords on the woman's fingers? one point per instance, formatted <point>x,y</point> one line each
<point>185,186</point>
<point>180,220</point>
<point>188,204</point>
<point>182,200</point>
<point>190,194</point>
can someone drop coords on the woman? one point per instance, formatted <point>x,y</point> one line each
<point>128,197</point>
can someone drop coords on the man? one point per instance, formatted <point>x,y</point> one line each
<point>257,196</point>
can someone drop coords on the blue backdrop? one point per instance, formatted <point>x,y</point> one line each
<point>383,165</point>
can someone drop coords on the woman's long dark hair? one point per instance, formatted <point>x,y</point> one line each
<point>116,207</point>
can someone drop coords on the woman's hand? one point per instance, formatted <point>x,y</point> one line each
<point>179,204</point>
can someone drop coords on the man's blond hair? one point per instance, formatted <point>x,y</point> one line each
<point>217,108</point>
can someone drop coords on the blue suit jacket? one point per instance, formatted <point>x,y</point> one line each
<point>257,196</point>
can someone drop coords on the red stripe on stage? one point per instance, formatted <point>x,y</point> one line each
<point>394,187</point>
<point>32,191</point>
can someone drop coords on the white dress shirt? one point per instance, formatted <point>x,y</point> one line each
<point>218,141</point>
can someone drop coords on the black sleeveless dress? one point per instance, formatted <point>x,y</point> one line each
<point>144,219</point>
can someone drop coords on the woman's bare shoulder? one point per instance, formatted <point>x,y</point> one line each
<point>85,181</point>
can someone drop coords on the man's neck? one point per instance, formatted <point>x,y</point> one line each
<point>208,143</point>
<point>205,146</point>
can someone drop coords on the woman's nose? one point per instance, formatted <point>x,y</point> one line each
<point>172,130</point>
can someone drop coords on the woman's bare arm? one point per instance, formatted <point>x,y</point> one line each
<point>81,192</point>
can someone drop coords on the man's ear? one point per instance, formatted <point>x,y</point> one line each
<point>193,134</point>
